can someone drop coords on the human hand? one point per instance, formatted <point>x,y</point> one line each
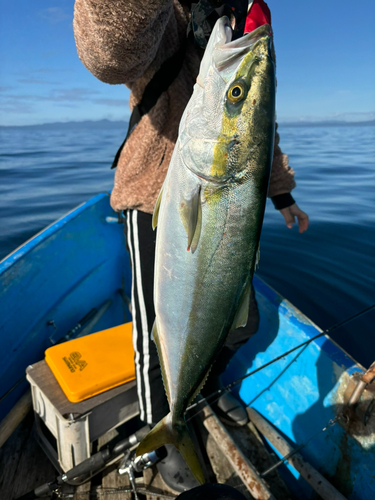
<point>290,213</point>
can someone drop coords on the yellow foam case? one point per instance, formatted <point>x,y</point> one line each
<point>93,364</point>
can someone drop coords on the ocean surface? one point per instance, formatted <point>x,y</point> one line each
<point>327,272</point>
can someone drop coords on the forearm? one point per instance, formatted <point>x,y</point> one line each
<point>283,200</point>
<point>281,184</point>
<point>282,175</point>
<point>117,41</point>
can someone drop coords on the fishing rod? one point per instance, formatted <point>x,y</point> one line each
<point>91,465</point>
<point>227,388</point>
<point>98,461</point>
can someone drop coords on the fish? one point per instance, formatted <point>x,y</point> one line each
<point>209,216</point>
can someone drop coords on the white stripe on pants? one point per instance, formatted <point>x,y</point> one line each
<point>140,325</point>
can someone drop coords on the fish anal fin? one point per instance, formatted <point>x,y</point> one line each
<point>154,331</point>
<point>191,217</point>
<point>156,338</point>
<point>155,215</point>
<point>257,258</point>
<point>242,313</point>
<point>175,432</point>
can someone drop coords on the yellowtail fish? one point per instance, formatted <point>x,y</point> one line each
<point>209,216</point>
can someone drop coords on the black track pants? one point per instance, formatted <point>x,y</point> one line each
<point>153,404</point>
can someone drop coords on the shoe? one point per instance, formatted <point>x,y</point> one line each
<point>175,472</point>
<point>230,410</point>
<point>227,407</point>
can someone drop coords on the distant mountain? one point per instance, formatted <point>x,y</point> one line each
<point>86,124</point>
<point>328,123</point>
<point>108,124</point>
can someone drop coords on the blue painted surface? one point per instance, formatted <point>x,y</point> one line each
<point>299,395</point>
<point>81,261</point>
<point>61,274</point>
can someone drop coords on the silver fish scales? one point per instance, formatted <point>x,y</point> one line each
<point>209,216</point>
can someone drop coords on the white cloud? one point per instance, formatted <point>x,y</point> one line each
<point>54,15</point>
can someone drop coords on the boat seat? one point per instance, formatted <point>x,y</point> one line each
<point>83,389</point>
<point>89,365</point>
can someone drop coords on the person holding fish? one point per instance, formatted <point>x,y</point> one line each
<point>217,181</point>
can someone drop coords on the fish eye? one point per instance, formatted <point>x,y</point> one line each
<point>236,92</point>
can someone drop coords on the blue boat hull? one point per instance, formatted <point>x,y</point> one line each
<point>301,393</point>
<point>74,265</point>
<point>80,262</point>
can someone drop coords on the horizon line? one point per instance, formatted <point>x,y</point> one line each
<point>287,121</point>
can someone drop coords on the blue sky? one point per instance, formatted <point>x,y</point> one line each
<point>325,63</point>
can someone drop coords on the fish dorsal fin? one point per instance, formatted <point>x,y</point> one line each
<point>242,313</point>
<point>191,216</point>
<point>155,215</point>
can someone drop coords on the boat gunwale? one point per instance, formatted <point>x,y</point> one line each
<point>331,348</point>
<point>309,328</point>
<point>45,233</point>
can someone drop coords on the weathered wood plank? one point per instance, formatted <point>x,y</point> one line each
<point>224,472</point>
<point>19,411</point>
<point>83,492</point>
<point>318,482</point>
<point>238,460</point>
<point>250,442</point>
<point>23,464</point>
<point>111,481</point>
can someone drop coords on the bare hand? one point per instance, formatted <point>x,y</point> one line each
<point>290,213</point>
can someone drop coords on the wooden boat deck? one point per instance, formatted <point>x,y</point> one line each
<point>24,466</point>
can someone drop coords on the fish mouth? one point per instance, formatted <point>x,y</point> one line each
<point>226,53</point>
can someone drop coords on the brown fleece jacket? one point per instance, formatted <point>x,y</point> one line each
<point>126,41</point>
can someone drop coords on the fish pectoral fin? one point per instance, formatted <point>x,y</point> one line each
<point>242,313</point>
<point>168,431</point>
<point>155,215</point>
<point>191,216</point>
<point>198,228</point>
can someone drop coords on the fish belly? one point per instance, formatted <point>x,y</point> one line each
<point>197,294</point>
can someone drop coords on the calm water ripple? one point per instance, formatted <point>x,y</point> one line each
<point>327,272</point>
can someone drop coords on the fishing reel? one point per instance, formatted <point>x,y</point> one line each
<point>131,465</point>
<point>139,464</point>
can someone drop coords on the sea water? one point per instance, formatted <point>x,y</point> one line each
<point>327,272</point>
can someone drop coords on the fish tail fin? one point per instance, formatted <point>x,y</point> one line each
<point>185,446</point>
<point>175,432</point>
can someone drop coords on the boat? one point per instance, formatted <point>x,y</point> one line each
<point>75,276</point>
